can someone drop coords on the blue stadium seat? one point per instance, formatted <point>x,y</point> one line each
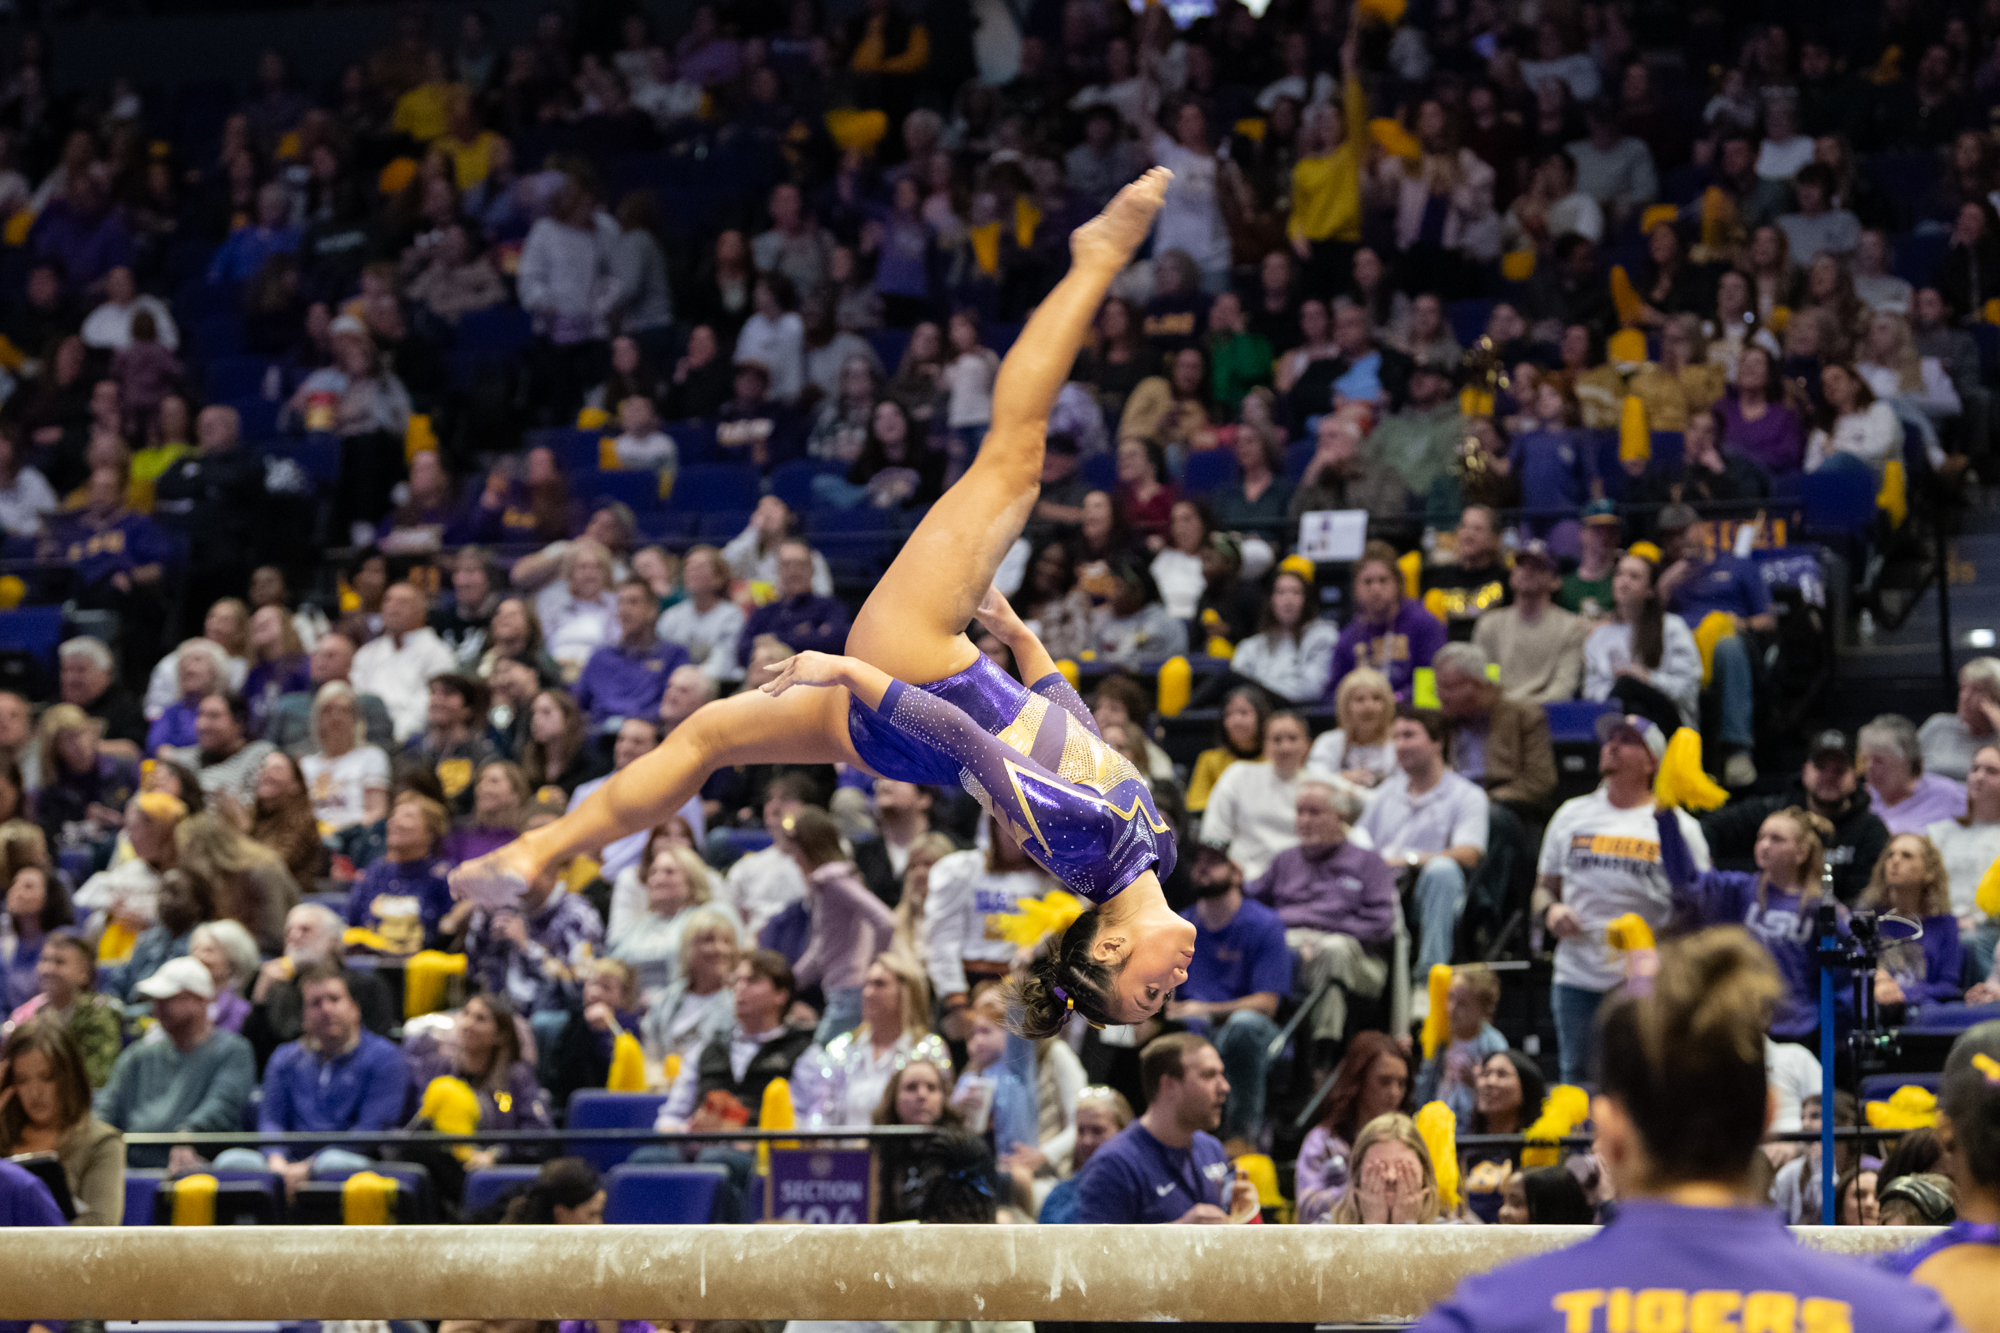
<point>34,630</point>
<point>1918,255</point>
<point>141,1183</point>
<point>1574,721</point>
<point>662,1195</point>
<point>695,439</point>
<point>709,486</point>
<point>1208,470</point>
<point>1840,497</point>
<point>236,376</point>
<point>792,482</point>
<point>1468,319</point>
<point>259,414</point>
<point>484,1188</point>
<point>1880,1087</point>
<point>664,525</point>
<point>721,525</point>
<point>1300,453</point>
<point>318,455</point>
<point>594,1108</point>
<point>575,449</point>
<point>214,335</point>
<point>1101,471</point>
<point>637,491</point>
<point>743,841</point>
<point>498,330</point>
<point>889,345</point>
<point>1668,446</point>
<point>1000,337</point>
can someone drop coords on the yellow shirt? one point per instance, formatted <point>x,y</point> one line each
<point>148,466</point>
<point>1669,399</point>
<point>1207,768</point>
<point>470,162</point>
<point>1326,190</point>
<point>420,112</point>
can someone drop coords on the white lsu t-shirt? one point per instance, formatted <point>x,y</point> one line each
<point>1609,860</point>
<point>339,787</point>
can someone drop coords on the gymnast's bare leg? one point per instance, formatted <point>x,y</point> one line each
<point>912,626</point>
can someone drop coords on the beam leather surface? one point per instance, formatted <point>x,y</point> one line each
<point>1294,1273</point>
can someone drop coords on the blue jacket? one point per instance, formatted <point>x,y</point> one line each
<point>360,1090</point>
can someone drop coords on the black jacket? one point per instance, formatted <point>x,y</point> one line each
<point>1859,837</point>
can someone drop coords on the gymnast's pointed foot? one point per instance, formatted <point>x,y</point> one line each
<point>496,881</point>
<point>1109,239</point>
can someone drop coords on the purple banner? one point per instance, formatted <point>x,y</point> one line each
<point>818,1186</point>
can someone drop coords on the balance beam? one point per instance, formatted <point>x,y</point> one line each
<point>1294,1274</point>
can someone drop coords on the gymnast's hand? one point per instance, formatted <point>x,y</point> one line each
<point>997,614</point>
<point>816,669</point>
<point>496,880</point>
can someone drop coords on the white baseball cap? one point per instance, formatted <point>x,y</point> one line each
<point>177,975</point>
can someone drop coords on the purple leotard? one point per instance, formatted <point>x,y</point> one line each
<point>1959,1233</point>
<point>1087,817</point>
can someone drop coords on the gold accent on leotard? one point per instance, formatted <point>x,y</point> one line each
<point>1019,735</point>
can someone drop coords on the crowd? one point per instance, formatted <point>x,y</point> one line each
<point>227,817</point>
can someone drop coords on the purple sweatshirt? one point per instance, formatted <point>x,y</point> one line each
<point>849,927</point>
<point>1412,636</point>
<point>1775,441</point>
<point>1338,888</point>
<point>1928,971</point>
<point>1660,1265</point>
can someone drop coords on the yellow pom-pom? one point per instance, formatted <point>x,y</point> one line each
<point>1681,782</point>
<point>1050,914</point>
<point>1437,1126</point>
<point>1176,686</point>
<point>1635,441</point>
<point>1387,12</point>
<point>1625,298</point>
<point>1659,215</point>
<point>419,436</point>
<point>1069,671</point>
<point>1629,932</point>
<point>592,418</point>
<point>1987,896</point>
<point>670,1068</point>
<point>628,1065</point>
<point>1517,265</point>
<point>1563,1110</point>
<point>12,590</point>
<point>1908,1107</point>
<point>1436,1026</point>
<point>1645,551</point>
<point>1220,647</point>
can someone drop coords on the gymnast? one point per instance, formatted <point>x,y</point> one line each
<point>914,701</point>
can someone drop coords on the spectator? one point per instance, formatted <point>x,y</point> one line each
<point>579,612</point>
<point>500,798</point>
<point>706,623</point>
<point>964,888</point>
<point>1902,795</point>
<point>529,952</point>
<point>402,897</point>
<point>558,753</point>
<point>1433,821</point>
<point>1252,811</point>
<point>578,1053</point>
<point>1537,645</point>
<point>398,666</point>
<point>626,679</point>
<point>1258,500</point>
<point>1358,747</point>
<point>1969,844</point>
<point>1394,636</point>
<point>1950,740</point>
<point>649,941</point>
<point>312,935</point>
<point>759,1048</point>
<point>198,1079</point>
<point>1551,208</point>
<point>1338,476</point>
<point>1853,422</point>
<point>1239,737</point>
<point>1166,1166</point>
<point>802,617</point>
<point>289,725</point>
<point>250,245</point>
<point>109,326</point>
<point>278,663</point>
<point>699,1005</point>
<point>1452,1074</point>
<point>45,1108</point>
<point>1508,1098</point>
<point>89,680</point>
<point>1496,742</point>
<point>1475,581</point>
<point>223,756</point>
<point>1292,652</point>
<point>183,902</point>
<point>566,269</point>
<point>84,785</point>
<point>337,1077</point>
<point>483,1050</point>
<point>454,743</point>
<point>1373,1080</point>
<point>68,999</point>
<point>230,955</point>
<point>1101,1113</point>
<point>1819,226</point>
<point>902,812</point>
<point>1642,656</point>
<point>348,781</point>
<point>126,892</point>
<point>198,672</point>
<point>1601,859</point>
<point>1240,971</point>
<point>1910,880</point>
<point>250,883</point>
<point>1393,1179</point>
<point>1829,787</point>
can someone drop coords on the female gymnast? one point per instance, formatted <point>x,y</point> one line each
<point>913,700</point>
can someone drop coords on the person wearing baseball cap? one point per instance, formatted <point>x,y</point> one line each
<point>1537,645</point>
<point>1829,786</point>
<point>1963,1264</point>
<point>198,1080</point>
<point>1601,858</point>
<point>1586,590</point>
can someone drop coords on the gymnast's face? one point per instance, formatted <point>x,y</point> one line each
<point>1149,957</point>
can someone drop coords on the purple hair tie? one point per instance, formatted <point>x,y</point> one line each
<point>1063,995</point>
